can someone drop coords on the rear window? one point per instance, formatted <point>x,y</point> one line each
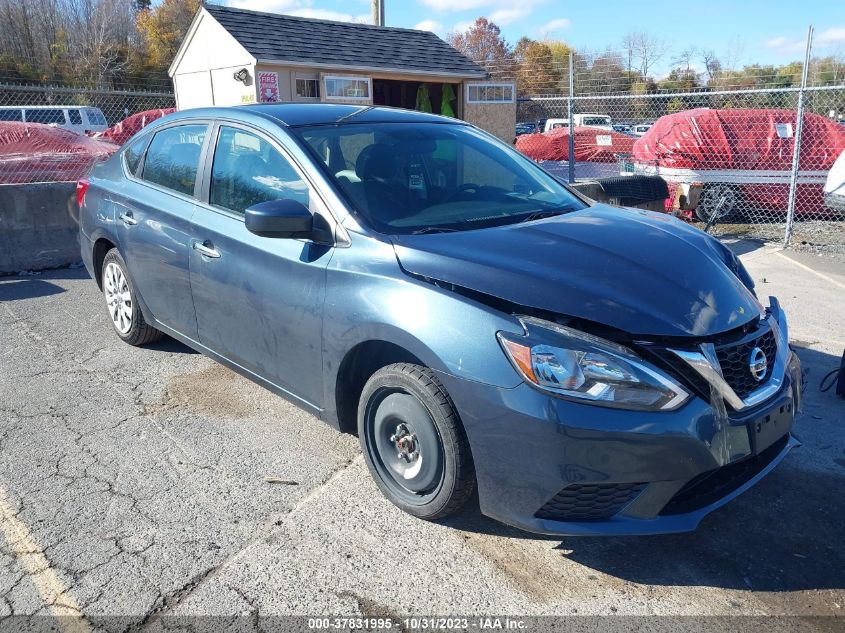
<point>11,115</point>
<point>132,155</point>
<point>46,115</point>
<point>173,157</point>
<point>95,117</point>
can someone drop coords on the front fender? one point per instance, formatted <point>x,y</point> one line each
<point>369,298</point>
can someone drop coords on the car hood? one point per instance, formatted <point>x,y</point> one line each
<point>642,272</point>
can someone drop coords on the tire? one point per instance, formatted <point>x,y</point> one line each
<point>723,200</point>
<point>122,304</point>
<point>413,442</point>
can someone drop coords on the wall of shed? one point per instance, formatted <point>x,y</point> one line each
<point>204,74</point>
<point>497,118</point>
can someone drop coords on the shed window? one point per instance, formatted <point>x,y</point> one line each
<point>308,88</point>
<point>490,93</point>
<point>348,88</point>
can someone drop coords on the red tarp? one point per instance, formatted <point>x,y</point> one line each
<point>750,150</point>
<point>740,139</point>
<point>126,129</point>
<point>32,152</point>
<point>591,145</point>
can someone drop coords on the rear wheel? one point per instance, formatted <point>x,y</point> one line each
<point>717,202</point>
<point>122,305</point>
<point>413,442</point>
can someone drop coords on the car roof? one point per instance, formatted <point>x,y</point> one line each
<point>296,114</point>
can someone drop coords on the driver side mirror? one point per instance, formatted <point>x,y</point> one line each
<point>283,218</point>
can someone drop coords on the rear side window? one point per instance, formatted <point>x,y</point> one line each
<point>95,117</point>
<point>11,115</point>
<point>173,157</point>
<point>75,117</point>
<point>46,115</point>
<point>248,170</point>
<point>132,155</point>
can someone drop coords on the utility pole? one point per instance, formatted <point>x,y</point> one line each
<point>796,149</point>
<point>378,12</point>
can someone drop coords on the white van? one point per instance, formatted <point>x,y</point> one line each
<point>601,121</point>
<point>79,119</point>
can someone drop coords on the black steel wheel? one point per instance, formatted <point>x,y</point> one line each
<point>413,441</point>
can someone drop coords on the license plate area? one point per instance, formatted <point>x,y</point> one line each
<point>767,428</point>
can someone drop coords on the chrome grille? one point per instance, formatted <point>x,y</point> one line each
<point>734,360</point>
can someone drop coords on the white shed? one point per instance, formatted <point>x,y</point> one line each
<point>234,56</point>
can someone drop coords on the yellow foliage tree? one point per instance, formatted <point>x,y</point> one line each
<point>161,29</point>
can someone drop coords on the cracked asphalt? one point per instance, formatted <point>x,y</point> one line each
<point>148,483</point>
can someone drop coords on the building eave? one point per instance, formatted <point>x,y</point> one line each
<point>374,69</point>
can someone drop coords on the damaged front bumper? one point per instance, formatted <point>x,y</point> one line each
<point>553,466</point>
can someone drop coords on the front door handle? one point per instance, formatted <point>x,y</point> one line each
<point>206,248</point>
<point>127,219</point>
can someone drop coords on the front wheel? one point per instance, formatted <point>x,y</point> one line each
<point>413,442</point>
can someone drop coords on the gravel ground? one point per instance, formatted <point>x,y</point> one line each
<point>822,237</point>
<point>133,483</point>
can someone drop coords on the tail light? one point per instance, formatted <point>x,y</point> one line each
<point>81,190</point>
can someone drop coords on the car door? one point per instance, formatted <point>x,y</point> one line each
<point>258,299</point>
<point>154,210</point>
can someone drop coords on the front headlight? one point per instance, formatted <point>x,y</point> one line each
<point>586,368</point>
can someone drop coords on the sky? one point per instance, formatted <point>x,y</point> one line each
<point>739,31</point>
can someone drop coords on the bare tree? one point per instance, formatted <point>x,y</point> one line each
<point>644,51</point>
<point>712,65</point>
<point>685,58</point>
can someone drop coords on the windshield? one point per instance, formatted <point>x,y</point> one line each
<point>415,178</point>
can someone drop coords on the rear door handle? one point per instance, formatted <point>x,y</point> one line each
<point>127,219</point>
<point>206,248</point>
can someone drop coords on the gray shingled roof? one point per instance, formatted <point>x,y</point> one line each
<point>285,38</point>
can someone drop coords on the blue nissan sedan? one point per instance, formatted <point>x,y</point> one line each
<point>479,325</point>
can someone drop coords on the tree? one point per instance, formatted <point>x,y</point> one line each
<point>161,30</point>
<point>482,42</point>
<point>685,59</point>
<point>537,73</point>
<point>712,65</point>
<point>643,51</point>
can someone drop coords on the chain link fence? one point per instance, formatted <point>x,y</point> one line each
<point>54,133</point>
<point>743,154</point>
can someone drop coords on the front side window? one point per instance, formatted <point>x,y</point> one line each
<point>95,117</point>
<point>75,117</point>
<point>423,177</point>
<point>308,88</point>
<point>247,170</point>
<point>11,115</point>
<point>597,120</point>
<point>348,88</point>
<point>47,116</point>
<point>173,157</point>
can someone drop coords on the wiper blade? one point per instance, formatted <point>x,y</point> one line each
<point>434,229</point>
<point>539,215</point>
